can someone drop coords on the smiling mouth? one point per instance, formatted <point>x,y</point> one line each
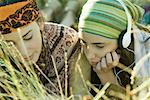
<point>29,58</point>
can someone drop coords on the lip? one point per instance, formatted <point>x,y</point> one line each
<point>93,63</point>
<point>29,58</point>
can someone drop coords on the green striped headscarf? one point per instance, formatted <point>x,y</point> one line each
<point>107,18</point>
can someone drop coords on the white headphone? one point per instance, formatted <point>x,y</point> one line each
<point>127,36</point>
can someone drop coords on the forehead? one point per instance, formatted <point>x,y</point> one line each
<point>20,31</point>
<point>88,37</point>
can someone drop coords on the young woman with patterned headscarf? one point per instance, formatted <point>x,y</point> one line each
<point>105,28</point>
<point>20,23</point>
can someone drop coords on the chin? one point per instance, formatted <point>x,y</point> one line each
<point>93,65</point>
<point>35,59</point>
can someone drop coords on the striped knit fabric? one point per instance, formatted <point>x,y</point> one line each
<point>107,18</point>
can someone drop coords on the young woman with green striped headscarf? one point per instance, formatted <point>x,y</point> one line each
<point>105,32</point>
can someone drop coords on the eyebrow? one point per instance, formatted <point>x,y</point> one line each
<point>94,43</point>
<point>83,40</point>
<point>27,33</point>
<point>147,39</point>
<point>98,43</point>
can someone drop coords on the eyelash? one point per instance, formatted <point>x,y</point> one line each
<point>28,38</point>
<point>83,43</point>
<point>99,46</point>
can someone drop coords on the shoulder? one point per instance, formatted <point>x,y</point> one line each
<point>51,24</point>
<point>55,28</point>
<point>60,39</point>
<point>58,32</point>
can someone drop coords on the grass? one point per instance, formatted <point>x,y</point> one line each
<point>17,78</point>
<point>19,81</point>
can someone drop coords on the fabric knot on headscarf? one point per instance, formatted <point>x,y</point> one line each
<point>16,15</point>
<point>107,18</point>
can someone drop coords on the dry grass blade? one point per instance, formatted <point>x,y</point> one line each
<point>17,79</point>
<point>102,92</point>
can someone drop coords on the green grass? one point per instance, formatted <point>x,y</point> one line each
<point>20,81</point>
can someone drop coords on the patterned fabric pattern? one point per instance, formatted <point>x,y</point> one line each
<point>107,18</point>
<point>56,41</point>
<point>21,17</point>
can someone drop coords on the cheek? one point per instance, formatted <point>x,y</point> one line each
<point>112,47</point>
<point>34,44</point>
<point>102,52</point>
<point>93,53</point>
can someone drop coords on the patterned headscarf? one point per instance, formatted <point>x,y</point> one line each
<point>107,18</point>
<point>18,14</point>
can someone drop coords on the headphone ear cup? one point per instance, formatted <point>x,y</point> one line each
<point>121,38</point>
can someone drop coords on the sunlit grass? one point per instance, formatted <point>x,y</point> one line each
<point>17,78</point>
<point>20,81</point>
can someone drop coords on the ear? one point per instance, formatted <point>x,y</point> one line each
<point>40,22</point>
<point>126,39</point>
<point>121,38</point>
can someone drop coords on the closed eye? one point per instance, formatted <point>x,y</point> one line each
<point>100,46</point>
<point>28,35</point>
<point>83,42</point>
<point>147,39</point>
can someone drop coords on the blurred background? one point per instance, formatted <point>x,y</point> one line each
<point>61,11</point>
<point>67,12</point>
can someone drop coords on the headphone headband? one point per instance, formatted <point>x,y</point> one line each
<point>127,36</point>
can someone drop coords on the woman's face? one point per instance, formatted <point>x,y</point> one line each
<point>95,47</point>
<point>28,41</point>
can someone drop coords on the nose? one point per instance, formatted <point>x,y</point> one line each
<point>22,48</point>
<point>90,52</point>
